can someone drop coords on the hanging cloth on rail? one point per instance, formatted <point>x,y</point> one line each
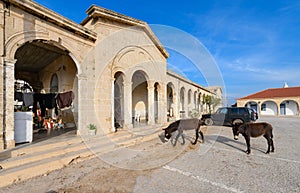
<point>45,101</point>
<point>28,99</point>
<point>64,99</point>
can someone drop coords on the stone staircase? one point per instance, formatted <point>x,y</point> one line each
<point>31,160</point>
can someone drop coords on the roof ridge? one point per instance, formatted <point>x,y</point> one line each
<point>270,93</point>
<point>254,93</point>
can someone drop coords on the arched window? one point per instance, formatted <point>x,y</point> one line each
<point>54,84</point>
<point>190,96</point>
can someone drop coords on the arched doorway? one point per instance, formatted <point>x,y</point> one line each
<point>51,72</point>
<point>189,96</point>
<point>139,99</point>
<point>156,101</point>
<point>182,102</point>
<point>268,108</point>
<point>252,105</point>
<point>119,100</point>
<point>170,101</point>
<point>195,100</point>
<point>54,84</point>
<point>289,107</point>
<point>199,103</point>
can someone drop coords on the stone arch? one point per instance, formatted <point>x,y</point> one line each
<point>190,96</point>
<point>118,103</point>
<point>124,51</point>
<point>14,42</point>
<point>171,100</point>
<point>182,102</point>
<point>199,102</point>
<point>252,105</point>
<point>289,107</point>
<point>55,75</point>
<point>156,101</point>
<point>54,83</point>
<point>195,99</point>
<point>140,97</point>
<point>127,61</point>
<point>268,107</point>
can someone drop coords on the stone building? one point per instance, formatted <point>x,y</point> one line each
<point>114,65</point>
<point>274,102</point>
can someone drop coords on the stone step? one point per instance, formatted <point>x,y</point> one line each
<point>32,160</point>
<point>40,155</point>
<point>41,167</point>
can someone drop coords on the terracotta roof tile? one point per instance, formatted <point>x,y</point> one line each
<point>275,93</point>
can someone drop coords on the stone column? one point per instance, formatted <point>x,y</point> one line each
<point>175,105</point>
<point>278,109</point>
<point>151,115</point>
<point>8,104</point>
<point>162,103</point>
<point>113,129</point>
<point>298,107</point>
<point>258,108</point>
<point>83,105</point>
<point>2,142</point>
<point>128,104</point>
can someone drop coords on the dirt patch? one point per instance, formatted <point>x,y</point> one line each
<point>105,180</point>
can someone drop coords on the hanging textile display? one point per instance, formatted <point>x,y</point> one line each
<point>64,99</point>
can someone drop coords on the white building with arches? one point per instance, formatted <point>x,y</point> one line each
<point>274,102</point>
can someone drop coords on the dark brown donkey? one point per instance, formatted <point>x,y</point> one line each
<point>254,130</point>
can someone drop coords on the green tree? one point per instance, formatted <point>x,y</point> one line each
<point>211,101</point>
<point>215,102</point>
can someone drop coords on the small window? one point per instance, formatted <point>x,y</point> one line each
<point>243,111</point>
<point>54,84</point>
<point>223,111</point>
<point>234,110</point>
<point>263,107</point>
<point>189,97</point>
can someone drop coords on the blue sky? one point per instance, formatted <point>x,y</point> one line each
<point>254,43</point>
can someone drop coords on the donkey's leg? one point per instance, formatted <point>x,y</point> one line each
<point>179,133</point>
<point>268,138</point>
<point>183,140</point>
<point>197,136</point>
<point>272,143</point>
<point>247,138</point>
<point>202,136</point>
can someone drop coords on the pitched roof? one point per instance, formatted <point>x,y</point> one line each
<point>275,93</point>
<point>96,11</point>
<point>50,16</point>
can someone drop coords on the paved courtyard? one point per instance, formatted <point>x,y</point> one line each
<point>218,165</point>
<point>221,165</point>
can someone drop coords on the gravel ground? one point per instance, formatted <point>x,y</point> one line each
<point>218,165</point>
